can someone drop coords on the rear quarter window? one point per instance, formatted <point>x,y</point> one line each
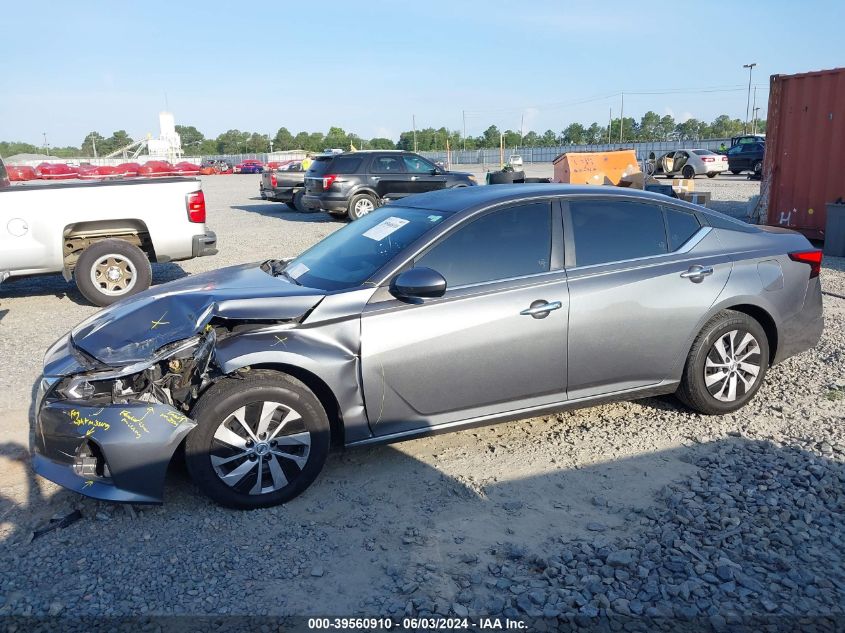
<point>346,164</point>
<point>681,226</point>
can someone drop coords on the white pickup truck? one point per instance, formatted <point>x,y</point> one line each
<point>102,234</point>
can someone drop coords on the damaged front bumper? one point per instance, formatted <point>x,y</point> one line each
<point>117,452</point>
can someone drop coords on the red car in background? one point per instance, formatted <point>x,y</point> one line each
<point>249,166</point>
<point>55,171</point>
<point>18,173</point>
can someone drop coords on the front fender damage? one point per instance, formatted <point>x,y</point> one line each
<point>117,452</point>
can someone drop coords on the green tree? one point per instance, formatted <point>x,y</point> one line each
<point>91,144</point>
<point>115,142</point>
<point>192,138</point>
<point>490,137</point>
<point>257,143</point>
<point>575,134</point>
<point>232,142</point>
<point>650,129</point>
<point>381,143</point>
<point>549,138</point>
<point>690,129</point>
<point>667,127</point>
<point>283,140</point>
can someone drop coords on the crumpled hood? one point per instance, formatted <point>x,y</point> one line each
<point>133,329</point>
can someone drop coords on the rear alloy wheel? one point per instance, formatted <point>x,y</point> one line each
<point>726,364</point>
<point>361,205</point>
<point>111,270</point>
<point>688,172</point>
<point>262,439</point>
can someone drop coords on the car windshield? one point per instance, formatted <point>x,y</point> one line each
<point>350,256</point>
<point>702,152</point>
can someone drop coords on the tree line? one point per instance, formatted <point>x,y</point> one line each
<point>650,127</point>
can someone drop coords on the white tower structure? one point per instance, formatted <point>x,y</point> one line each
<point>168,146</point>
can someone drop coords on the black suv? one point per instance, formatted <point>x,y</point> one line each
<point>355,183</point>
<point>746,157</point>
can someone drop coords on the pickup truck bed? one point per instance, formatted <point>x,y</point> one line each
<point>102,234</point>
<point>284,185</point>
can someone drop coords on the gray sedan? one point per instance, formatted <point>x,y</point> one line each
<point>451,309</point>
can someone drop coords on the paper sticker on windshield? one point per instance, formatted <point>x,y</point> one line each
<point>297,270</point>
<point>385,228</point>
<point>434,218</point>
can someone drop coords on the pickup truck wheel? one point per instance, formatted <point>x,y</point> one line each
<point>262,438</point>
<point>298,204</point>
<point>361,205</point>
<point>110,270</point>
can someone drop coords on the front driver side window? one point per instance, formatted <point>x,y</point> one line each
<point>513,242</point>
<point>416,165</point>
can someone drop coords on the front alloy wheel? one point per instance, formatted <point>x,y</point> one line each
<point>261,440</point>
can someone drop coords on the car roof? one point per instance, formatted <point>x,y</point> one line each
<point>466,198</point>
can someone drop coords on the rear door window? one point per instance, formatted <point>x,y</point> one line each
<point>606,231</point>
<point>320,166</point>
<point>387,165</point>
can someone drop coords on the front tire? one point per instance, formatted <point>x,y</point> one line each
<point>726,364</point>
<point>110,270</point>
<point>712,175</point>
<point>688,172</point>
<point>360,205</point>
<point>262,438</point>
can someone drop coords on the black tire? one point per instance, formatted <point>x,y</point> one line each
<point>291,206</point>
<point>250,392</point>
<point>688,172</point>
<point>694,390</point>
<point>262,194</point>
<point>338,215</point>
<point>757,167</point>
<point>358,206</point>
<point>131,262</point>
<point>298,204</point>
<point>500,177</point>
<point>736,172</point>
<point>713,175</point>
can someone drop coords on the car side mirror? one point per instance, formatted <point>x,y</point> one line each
<point>435,171</point>
<point>418,283</point>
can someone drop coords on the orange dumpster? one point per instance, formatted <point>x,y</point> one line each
<point>595,168</point>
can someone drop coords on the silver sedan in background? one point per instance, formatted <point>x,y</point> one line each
<point>449,309</point>
<point>690,163</point>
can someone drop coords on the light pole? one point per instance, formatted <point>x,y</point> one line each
<point>750,67</point>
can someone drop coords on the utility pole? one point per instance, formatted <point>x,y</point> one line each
<point>609,125</point>
<point>750,68</point>
<point>94,144</point>
<point>414,124</point>
<point>621,117</point>
<point>46,147</point>
<point>521,128</point>
<point>754,109</point>
<point>464,117</point>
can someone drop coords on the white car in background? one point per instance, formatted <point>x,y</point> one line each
<point>690,163</point>
<point>515,161</point>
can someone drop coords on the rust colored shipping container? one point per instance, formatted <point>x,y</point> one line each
<point>804,166</point>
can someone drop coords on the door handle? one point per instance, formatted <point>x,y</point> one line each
<point>374,177</point>
<point>540,309</point>
<point>696,274</point>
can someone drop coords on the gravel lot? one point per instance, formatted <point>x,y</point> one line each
<point>640,512</point>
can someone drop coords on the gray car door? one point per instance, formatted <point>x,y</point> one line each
<point>639,286</point>
<point>478,350</point>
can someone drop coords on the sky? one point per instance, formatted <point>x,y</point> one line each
<point>370,67</point>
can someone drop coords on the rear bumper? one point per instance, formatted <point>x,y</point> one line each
<point>323,202</point>
<point>204,245</point>
<point>280,194</point>
<point>803,330</point>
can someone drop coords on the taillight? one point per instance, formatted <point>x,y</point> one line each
<point>725,158</point>
<point>813,258</point>
<point>196,207</point>
<point>328,181</point>
<point>708,159</point>
<point>273,181</point>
